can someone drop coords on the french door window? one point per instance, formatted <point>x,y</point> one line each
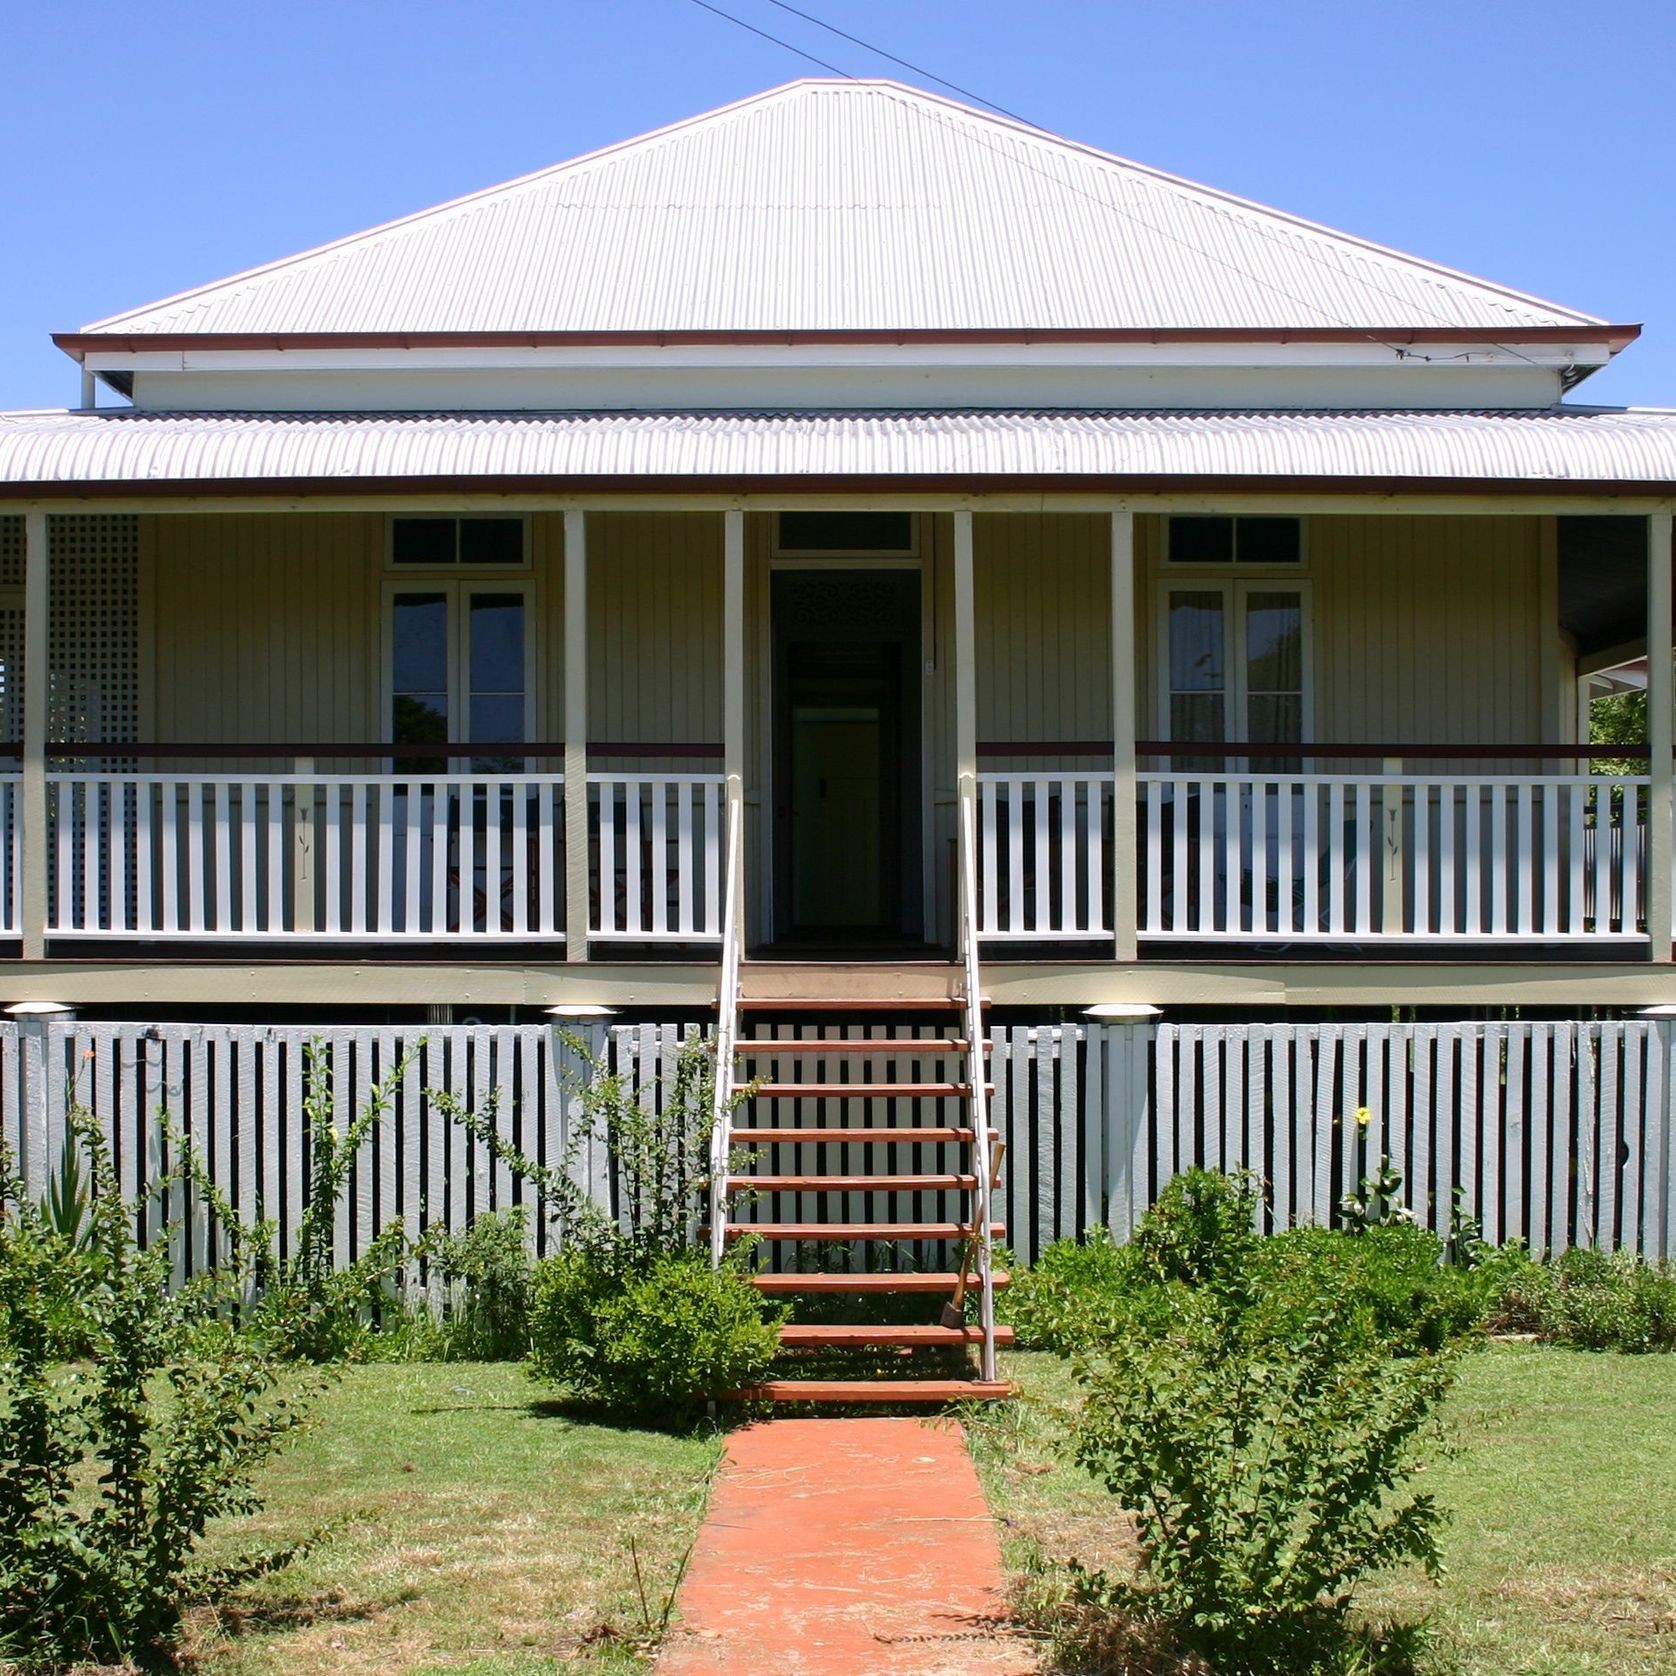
<point>1236,663</point>
<point>459,673</point>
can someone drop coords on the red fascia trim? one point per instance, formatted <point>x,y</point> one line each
<point>80,343</point>
<point>629,486</point>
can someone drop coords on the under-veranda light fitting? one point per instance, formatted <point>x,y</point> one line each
<point>1123,1009</point>
<point>580,1009</point>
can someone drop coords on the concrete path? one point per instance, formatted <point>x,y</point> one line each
<point>846,1548</point>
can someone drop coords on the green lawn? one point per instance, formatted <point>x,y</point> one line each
<point>488,1532</point>
<point>1561,1548</point>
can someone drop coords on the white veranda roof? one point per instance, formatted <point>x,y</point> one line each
<point>844,206</point>
<point>41,452</point>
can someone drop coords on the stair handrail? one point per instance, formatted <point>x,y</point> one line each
<point>727,1020</point>
<point>977,1068</point>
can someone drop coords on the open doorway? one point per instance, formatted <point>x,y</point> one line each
<point>847,743</point>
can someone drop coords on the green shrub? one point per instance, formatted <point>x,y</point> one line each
<point>1203,1230</point>
<point>630,1314</point>
<point>487,1317</point>
<point>651,1339</point>
<point>1591,1301</point>
<point>1395,1271</point>
<point>1078,1293</point>
<point>111,1468</point>
<point>1264,1454</point>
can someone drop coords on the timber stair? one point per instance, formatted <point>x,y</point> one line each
<point>861,1172</point>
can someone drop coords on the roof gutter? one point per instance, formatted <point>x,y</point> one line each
<point>634,484</point>
<point>79,344</point>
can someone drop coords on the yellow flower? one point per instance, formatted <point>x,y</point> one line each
<point>1363,1117</point>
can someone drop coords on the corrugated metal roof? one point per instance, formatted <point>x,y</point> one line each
<point>844,206</point>
<point>127,447</point>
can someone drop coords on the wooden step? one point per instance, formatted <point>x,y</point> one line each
<point>854,1230</point>
<point>853,1004</point>
<point>851,1184</point>
<point>904,1280</point>
<point>905,1047</point>
<point>804,1336</point>
<point>865,1090</point>
<point>877,1390</point>
<point>860,1134</point>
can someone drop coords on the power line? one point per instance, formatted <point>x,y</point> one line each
<point>879,52</point>
<point>797,51</point>
<point>1298,247</point>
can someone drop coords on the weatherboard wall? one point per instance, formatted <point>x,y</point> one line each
<point>268,628</point>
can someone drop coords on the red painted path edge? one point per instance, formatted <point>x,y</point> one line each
<point>846,1548</point>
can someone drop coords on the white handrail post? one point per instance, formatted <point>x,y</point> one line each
<point>1660,726</point>
<point>977,1071</point>
<point>36,650</point>
<point>1124,875</point>
<point>577,908</point>
<point>727,1023</point>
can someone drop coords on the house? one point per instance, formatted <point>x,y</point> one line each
<point>846,548</point>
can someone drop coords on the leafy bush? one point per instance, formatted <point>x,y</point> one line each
<point>653,1339</point>
<point>1264,1453</point>
<point>1395,1271</point>
<point>1077,1294</point>
<point>1202,1231</point>
<point>1591,1301</point>
<point>488,1269</point>
<point>111,1468</point>
<point>630,1315</point>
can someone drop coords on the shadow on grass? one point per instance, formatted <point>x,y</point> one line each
<point>292,1612</point>
<point>1085,1639</point>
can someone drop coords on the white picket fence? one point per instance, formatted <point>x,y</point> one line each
<point>1558,1133</point>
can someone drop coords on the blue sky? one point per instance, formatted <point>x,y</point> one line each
<point>154,147</point>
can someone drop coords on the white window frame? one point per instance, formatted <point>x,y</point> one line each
<point>456,568</point>
<point>1231,566</point>
<point>1235,591</point>
<point>457,587</point>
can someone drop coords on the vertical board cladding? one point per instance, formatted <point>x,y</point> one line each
<point>1557,1133</point>
<point>1425,628</point>
<point>655,630</point>
<point>1043,584</point>
<point>262,628</point>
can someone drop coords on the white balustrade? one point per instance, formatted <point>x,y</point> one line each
<point>1288,857</point>
<point>1043,856</point>
<point>657,841</point>
<point>350,856</point>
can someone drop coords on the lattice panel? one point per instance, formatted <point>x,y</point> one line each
<point>11,630</point>
<point>93,628</point>
<point>11,552</point>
